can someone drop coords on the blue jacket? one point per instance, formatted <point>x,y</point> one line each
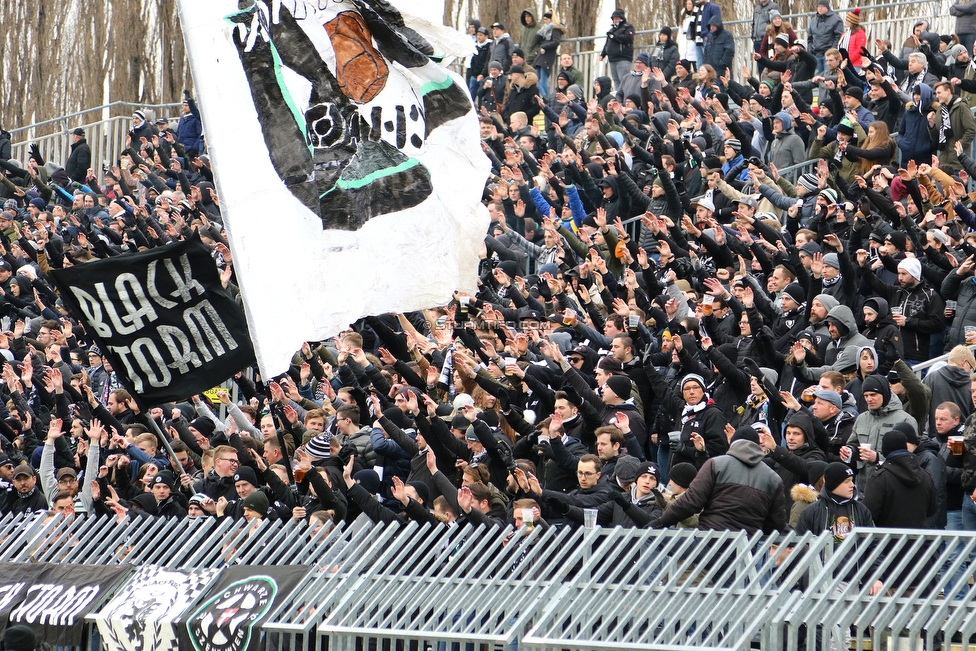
<point>915,143</point>
<point>190,129</point>
<point>719,45</point>
<point>708,11</point>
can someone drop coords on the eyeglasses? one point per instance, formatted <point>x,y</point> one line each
<point>575,360</point>
<point>583,473</point>
<point>233,462</point>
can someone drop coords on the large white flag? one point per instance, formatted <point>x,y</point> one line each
<point>348,163</point>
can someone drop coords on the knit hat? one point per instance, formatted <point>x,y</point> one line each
<point>795,291</point>
<point>140,115</point>
<point>203,425</point>
<point>318,447</point>
<point>854,91</point>
<point>876,384</point>
<point>906,428</point>
<point>831,260</point>
<point>686,64</point>
<point>775,13</point>
<point>745,433</point>
<point>627,469</point>
<point>810,249</point>
<point>620,385</point>
<point>423,492</point>
<point>835,475</point>
<point>693,377</point>
<point>952,52</point>
<point>897,238</point>
<point>164,477</point>
<point>853,16</point>
<point>496,65</point>
<point>782,39</point>
<point>471,435</point>
<point>829,194</point>
<point>38,203</point>
<point>257,501</point>
<point>650,469</point>
<point>734,144</point>
<point>809,181</point>
<point>912,266</point>
<point>19,638</point>
<point>509,267</point>
<point>815,471</point>
<point>824,3</point>
<point>643,58</point>
<point>768,84</point>
<point>682,474</point>
<point>846,127</point>
<point>516,69</point>
<point>245,473</point>
<point>892,442</point>
<point>369,480</point>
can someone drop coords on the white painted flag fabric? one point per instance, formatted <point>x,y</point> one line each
<point>348,161</point>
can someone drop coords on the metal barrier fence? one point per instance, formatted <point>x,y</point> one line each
<point>105,134</point>
<point>586,49</point>
<point>427,587</point>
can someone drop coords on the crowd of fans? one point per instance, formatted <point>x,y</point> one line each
<point>744,363</point>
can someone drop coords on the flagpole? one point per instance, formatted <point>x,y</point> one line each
<point>169,450</point>
<point>281,443</point>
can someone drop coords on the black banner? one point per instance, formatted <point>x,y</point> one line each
<point>161,316</point>
<point>54,599</point>
<point>231,612</point>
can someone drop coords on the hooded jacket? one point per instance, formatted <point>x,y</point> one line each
<point>840,517</point>
<point>719,45</point>
<point>914,140</point>
<point>949,384</point>
<point>930,460</point>
<point>620,40</point>
<point>962,289</point>
<point>824,32</point>
<point>841,355</point>
<point>787,148</point>
<point>5,147</point>
<point>884,332</point>
<point>871,426</point>
<point>733,492</point>
<point>793,466</point>
<point>900,494</point>
<point>529,37</point>
<point>922,306</point>
<point>963,129</point>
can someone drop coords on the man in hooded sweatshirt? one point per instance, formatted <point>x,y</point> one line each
<point>719,46</point>
<point>841,352</point>
<point>787,148</point>
<point>733,492</point>
<point>884,412</point>
<point>529,37</point>
<point>951,383</point>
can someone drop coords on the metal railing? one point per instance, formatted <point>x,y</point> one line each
<point>105,133</point>
<point>554,588</point>
<point>586,49</point>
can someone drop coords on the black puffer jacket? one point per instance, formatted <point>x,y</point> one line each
<point>932,462</point>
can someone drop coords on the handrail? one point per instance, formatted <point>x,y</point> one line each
<point>65,118</point>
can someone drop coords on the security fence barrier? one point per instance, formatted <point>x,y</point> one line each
<point>126,583</point>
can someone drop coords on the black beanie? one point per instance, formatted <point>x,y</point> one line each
<point>909,432</point>
<point>620,385</point>
<point>423,492</point>
<point>876,384</point>
<point>745,433</point>
<point>509,267</point>
<point>245,473</point>
<point>892,442</point>
<point>203,425</point>
<point>815,471</point>
<point>683,474</point>
<point>835,474</point>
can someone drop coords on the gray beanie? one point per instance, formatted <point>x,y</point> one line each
<point>831,260</point>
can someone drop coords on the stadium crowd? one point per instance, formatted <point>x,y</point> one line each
<point>744,362</point>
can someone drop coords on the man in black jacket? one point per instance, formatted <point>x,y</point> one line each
<point>900,494</point>
<point>79,161</point>
<point>619,48</point>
